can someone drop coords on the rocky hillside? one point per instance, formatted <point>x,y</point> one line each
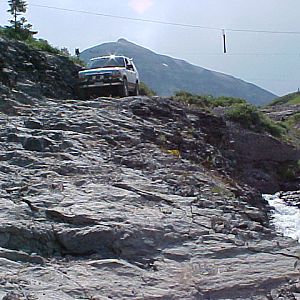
<point>286,109</point>
<point>167,75</point>
<point>137,198</point>
<point>28,75</point>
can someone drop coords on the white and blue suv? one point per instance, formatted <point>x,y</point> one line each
<point>113,75</point>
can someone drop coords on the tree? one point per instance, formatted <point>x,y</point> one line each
<point>21,28</point>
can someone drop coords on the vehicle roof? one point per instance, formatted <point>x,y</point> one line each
<point>107,56</point>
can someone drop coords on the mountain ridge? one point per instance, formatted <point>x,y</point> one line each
<point>167,75</point>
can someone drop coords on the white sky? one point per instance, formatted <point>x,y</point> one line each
<point>271,61</point>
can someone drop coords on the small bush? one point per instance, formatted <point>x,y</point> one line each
<point>206,101</point>
<point>77,60</point>
<point>292,120</point>
<point>227,101</point>
<point>42,45</point>
<point>38,44</point>
<point>11,33</point>
<point>202,101</point>
<point>145,90</point>
<point>251,118</point>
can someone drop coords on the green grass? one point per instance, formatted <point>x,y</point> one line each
<point>236,110</point>
<point>145,90</point>
<point>296,100</point>
<point>293,98</point>
<point>206,101</point>
<point>42,45</point>
<point>201,101</point>
<point>249,117</point>
<point>292,120</point>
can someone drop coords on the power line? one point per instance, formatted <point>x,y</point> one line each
<point>126,18</point>
<point>235,54</point>
<point>166,23</point>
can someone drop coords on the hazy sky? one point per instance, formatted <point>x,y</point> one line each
<point>271,61</point>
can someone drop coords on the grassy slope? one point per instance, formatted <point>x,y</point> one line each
<point>291,121</point>
<point>296,100</point>
<point>293,98</point>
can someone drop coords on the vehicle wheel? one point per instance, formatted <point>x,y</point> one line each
<point>136,91</point>
<point>124,88</point>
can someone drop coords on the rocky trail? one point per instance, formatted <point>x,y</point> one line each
<point>123,199</point>
<point>133,198</point>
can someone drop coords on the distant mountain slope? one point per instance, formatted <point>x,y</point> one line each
<point>167,75</point>
<point>293,98</point>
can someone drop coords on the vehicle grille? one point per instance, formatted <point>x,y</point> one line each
<point>106,77</point>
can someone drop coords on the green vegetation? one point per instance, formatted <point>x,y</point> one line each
<point>145,90</point>
<point>19,28</point>
<point>293,98</point>
<point>292,120</point>
<point>200,101</point>
<point>292,123</point>
<point>250,117</point>
<point>236,110</point>
<point>206,101</point>
<point>227,101</point>
<point>38,44</point>
<point>42,45</point>
<point>289,170</point>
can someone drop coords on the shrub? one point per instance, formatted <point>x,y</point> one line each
<point>145,90</point>
<point>227,101</point>
<point>42,45</point>
<point>250,117</point>
<point>202,101</point>
<point>292,120</point>
<point>206,101</point>
<point>77,60</point>
<point>39,44</point>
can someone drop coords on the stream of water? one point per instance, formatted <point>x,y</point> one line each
<point>286,218</point>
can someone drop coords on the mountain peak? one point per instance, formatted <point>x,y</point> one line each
<point>123,41</point>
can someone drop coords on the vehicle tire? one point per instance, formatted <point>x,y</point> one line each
<point>124,89</point>
<point>136,91</point>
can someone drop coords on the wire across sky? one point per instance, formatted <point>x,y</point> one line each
<point>166,23</point>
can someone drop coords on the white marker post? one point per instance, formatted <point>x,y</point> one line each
<point>224,41</point>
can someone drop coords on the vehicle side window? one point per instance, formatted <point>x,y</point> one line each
<point>129,65</point>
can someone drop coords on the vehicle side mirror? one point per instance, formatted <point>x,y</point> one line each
<point>130,67</point>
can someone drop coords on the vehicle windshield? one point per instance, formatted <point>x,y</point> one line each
<point>106,62</point>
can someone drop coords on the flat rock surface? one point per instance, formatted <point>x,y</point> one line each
<point>123,199</point>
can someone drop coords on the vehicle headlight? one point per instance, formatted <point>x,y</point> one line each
<point>116,74</point>
<point>82,77</point>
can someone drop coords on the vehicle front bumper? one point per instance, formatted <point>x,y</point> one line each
<point>99,84</point>
<point>94,82</point>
